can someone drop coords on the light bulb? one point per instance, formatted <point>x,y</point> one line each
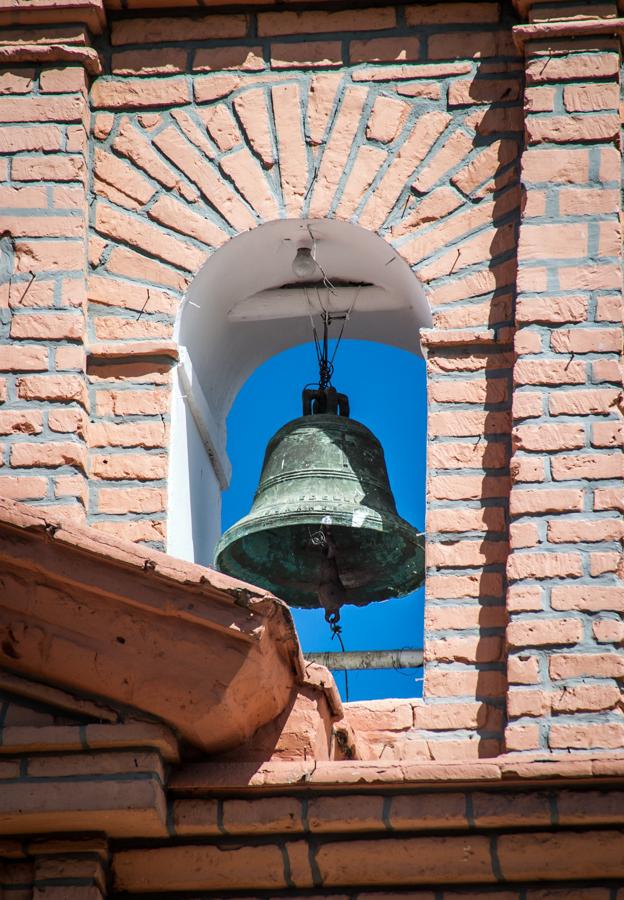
<point>304,265</point>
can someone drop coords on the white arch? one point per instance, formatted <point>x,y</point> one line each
<point>237,314</point>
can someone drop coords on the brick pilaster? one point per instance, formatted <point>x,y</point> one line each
<point>565,594</point>
<point>43,216</point>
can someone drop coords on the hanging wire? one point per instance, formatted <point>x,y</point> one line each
<point>336,630</point>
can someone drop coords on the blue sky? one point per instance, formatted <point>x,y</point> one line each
<point>387,392</point>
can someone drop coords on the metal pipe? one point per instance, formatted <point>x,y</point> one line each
<point>369,659</point>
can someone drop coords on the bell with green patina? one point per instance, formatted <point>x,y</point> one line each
<point>323,529</point>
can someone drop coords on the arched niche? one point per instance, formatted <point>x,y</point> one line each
<point>244,306</point>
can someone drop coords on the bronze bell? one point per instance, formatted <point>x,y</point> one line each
<point>323,529</point>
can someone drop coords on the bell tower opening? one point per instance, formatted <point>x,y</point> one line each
<point>262,293</point>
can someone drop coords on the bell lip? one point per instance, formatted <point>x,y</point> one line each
<point>248,526</point>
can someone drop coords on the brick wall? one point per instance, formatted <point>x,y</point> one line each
<point>409,122</point>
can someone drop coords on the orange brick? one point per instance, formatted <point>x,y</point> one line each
<point>131,500</point>
<point>590,97</point>
<point>583,403</point>
<point>158,30</point>
<point>23,487</point>
<point>129,467</point>
<point>549,437</point>
<point>590,665</point>
<point>50,454</point>
<point>605,465</point>
<point>588,598</point>
<point>23,358</point>
<point>467,487</point>
<point>306,55</point>
<point>527,502</point>
<point>273,24</point>
<point>50,327</point>
<point>131,93</point>
<point>537,632</point>
<point>21,421</point>
<point>66,80</point>
<point>572,127</point>
<point>571,67</point>
<point>549,165</point>
<point>549,372</point>
<point>61,388</point>
<point>132,402</point>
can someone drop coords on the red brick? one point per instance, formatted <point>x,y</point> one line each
<point>551,310</point>
<point>67,420</point>
<point>21,421</point>
<point>49,256</point>
<point>66,80</point>
<point>466,44</point>
<point>583,403</point>
<point>453,587</point>
<point>130,93</point>
<point>125,294</point>
<point>272,24</point>
<point>452,152</point>
<point>23,197</point>
<point>590,97</point>
<point>538,632</point>
<point>22,487</point>
<point>120,175</point>
<point>60,388</point>
<point>439,618</point>
<point>522,737</point>
<point>49,168</point>
<point>609,498</point>
<point>16,81</point>
<point>159,30</point>
<point>571,67</point>
<point>560,241</point>
<point>70,357</point>
<point>131,500</point>
<point>50,327</point>
<point>599,563</point>
<point>525,598</point>
<point>116,328</point>
<point>527,469</point>
<point>467,487</point>
<point>306,55</point>
<point>464,649</point>
<point>588,340</point>
<point>608,631</point>
<point>609,309</point>
<point>443,681</point>
<point>605,465</point>
<point>461,554</point>
<point>129,467</point>
<point>539,99</point>
<point>586,698</point>
<point>607,434</point>
<point>485,454</point>
<point>41,109</point>
<point>23,358</point>
<point>523,669</point>
<point>587,201</point>
<point>148,237</point>
<point>132,402</point>
<point>523,534</point>
<point>606,370</point>
<point>527,341</point>
<point>587,737</point>
<point>535,703</point>
<point>572,127</point>
<point>559,855</point>
<point>548,437</point>
<point>489,518</point>
<point>482,90</point>
<point>570,531</point>
<point>448,716</point>
<point>42,226</point>
<point>387,119</point>
<point>558,166</point>
<point>156,61</point>
<point>71,486</point>
<point>549,372</point>
<point>468,424</point>
<point>527,404</point>
<point>138,530</point>
<point>587,598</point>
<point>586,665</point>
<point>388,49</point>
<point>50,454</point>
<point>527,502</point>
<point>544,565</point>
<point>127,434</point>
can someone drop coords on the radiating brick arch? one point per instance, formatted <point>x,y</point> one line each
<point>422,155</point>
<point>413,160</point>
